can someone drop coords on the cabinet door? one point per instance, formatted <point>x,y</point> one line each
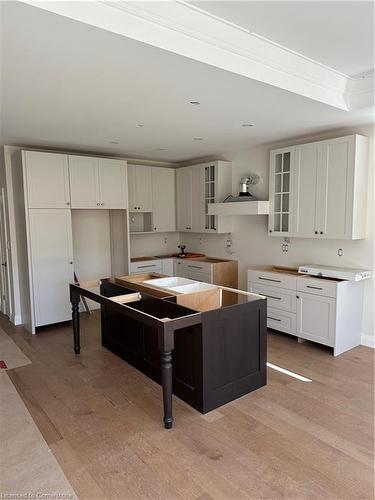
<point>184,199</point>
<point>163,199</point>
<point>143,187</point>
<point>280,220</point>
<point>47,180</point>
<point>316,318</point>
<point>306,217</point>
<point>132,195</point>
<point>51,257</point>
<point>197,199</point>
<point>112,184</point>
<point>84,184</point>
<point>335,197</point>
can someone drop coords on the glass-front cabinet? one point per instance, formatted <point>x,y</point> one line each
<point>281,192</point>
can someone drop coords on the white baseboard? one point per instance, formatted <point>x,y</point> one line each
<point>16,320</point>
<point>368,340</point>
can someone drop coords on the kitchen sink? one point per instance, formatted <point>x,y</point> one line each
<point>169,282</point>
<point>192,288</point>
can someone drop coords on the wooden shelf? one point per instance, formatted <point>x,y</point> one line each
<point>240,208</point>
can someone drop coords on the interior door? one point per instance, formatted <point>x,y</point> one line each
<point>84,182</point>
<point>336,188</point>
<point>47,180</point>
<point>316,318</point>
<point>112,184</point>
<point>184,198</point>
<point>306,216</point>
<point>163,199</point>
<point>52,264</point>
<point>5,305</point>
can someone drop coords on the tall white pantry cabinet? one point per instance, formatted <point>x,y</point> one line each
<point>53,185</point>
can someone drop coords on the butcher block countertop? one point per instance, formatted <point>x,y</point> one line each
<point>189,256</point>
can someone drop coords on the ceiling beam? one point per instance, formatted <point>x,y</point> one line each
<point>181,28</point>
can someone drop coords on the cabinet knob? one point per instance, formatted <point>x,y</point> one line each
<point>321,232</point>
<point>68,203</point>
<point>102,204</point>
<point>155,228</point>
<point>71,262</point>
<point>316,232</point>
<point>297,297</point>
<point>270,230</point>
<point>139,208</point>
<point>135,208</point>
<point>98,204</point>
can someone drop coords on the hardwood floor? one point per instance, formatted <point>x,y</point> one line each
<point>291,439</point>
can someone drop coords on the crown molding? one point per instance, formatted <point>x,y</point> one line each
<point>187,30</point>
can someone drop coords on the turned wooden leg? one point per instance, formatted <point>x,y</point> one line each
<point>166,375</point>
<point>76,332</point>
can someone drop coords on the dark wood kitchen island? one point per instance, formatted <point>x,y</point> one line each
<point>207,354</point>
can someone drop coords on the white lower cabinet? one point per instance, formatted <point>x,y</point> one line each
<point>145,266</point>
<point>328,312</point>
<point>167,267</point>
<point>50,264</point>
<point>316,318</point>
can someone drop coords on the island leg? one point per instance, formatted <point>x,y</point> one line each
<point>75,319</point>
<point>166,375</point>
<point>166,344</point>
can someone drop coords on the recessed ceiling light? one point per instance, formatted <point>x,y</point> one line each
<point>197,138</point>
<point>247,125</point>
<point>195,103</point>
<point>112,142</point>
<point>140,125</point>
<point>162,149</point>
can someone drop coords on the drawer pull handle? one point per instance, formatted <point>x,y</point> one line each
<point>315,287</point>
<point>269,279</point>
<point>195,267</point>
<point>273,319</point>
<point>272,297</point>
<point>143,267</point>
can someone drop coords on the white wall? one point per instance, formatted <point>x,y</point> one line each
<point>143,245</point>
<point>253,246</point>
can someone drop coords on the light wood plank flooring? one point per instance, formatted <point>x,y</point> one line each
<point>291,439</point>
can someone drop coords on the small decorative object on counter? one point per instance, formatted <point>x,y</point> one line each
<point>182,253</point>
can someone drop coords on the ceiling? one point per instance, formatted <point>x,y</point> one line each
<point>338,34</point>
<point>72,86</point>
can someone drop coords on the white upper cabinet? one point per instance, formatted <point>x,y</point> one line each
<point>281,193</point>
<point>163,199</point>
<point>307,164</point>
<point>112,177</point>
<point>140,188</point>
<point>84,186</point>
<point>184,198</point>
<point>343,188</point>
<point>328,189</point>
<point>47,180</point>
<point>97,182</point>
<point>197,187</point>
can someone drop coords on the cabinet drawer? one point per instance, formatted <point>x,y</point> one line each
<point>282,320</point>
<point>197,276</point>
<point>196,266</point>
<point>277,298</point>
<point>317,286</point>
<point>145,266</point>
<point>273,279</point>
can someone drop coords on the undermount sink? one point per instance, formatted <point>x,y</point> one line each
<point>169,282</point>
<point>192,287</point>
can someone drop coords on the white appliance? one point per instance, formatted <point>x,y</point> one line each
<point>340,273</point>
